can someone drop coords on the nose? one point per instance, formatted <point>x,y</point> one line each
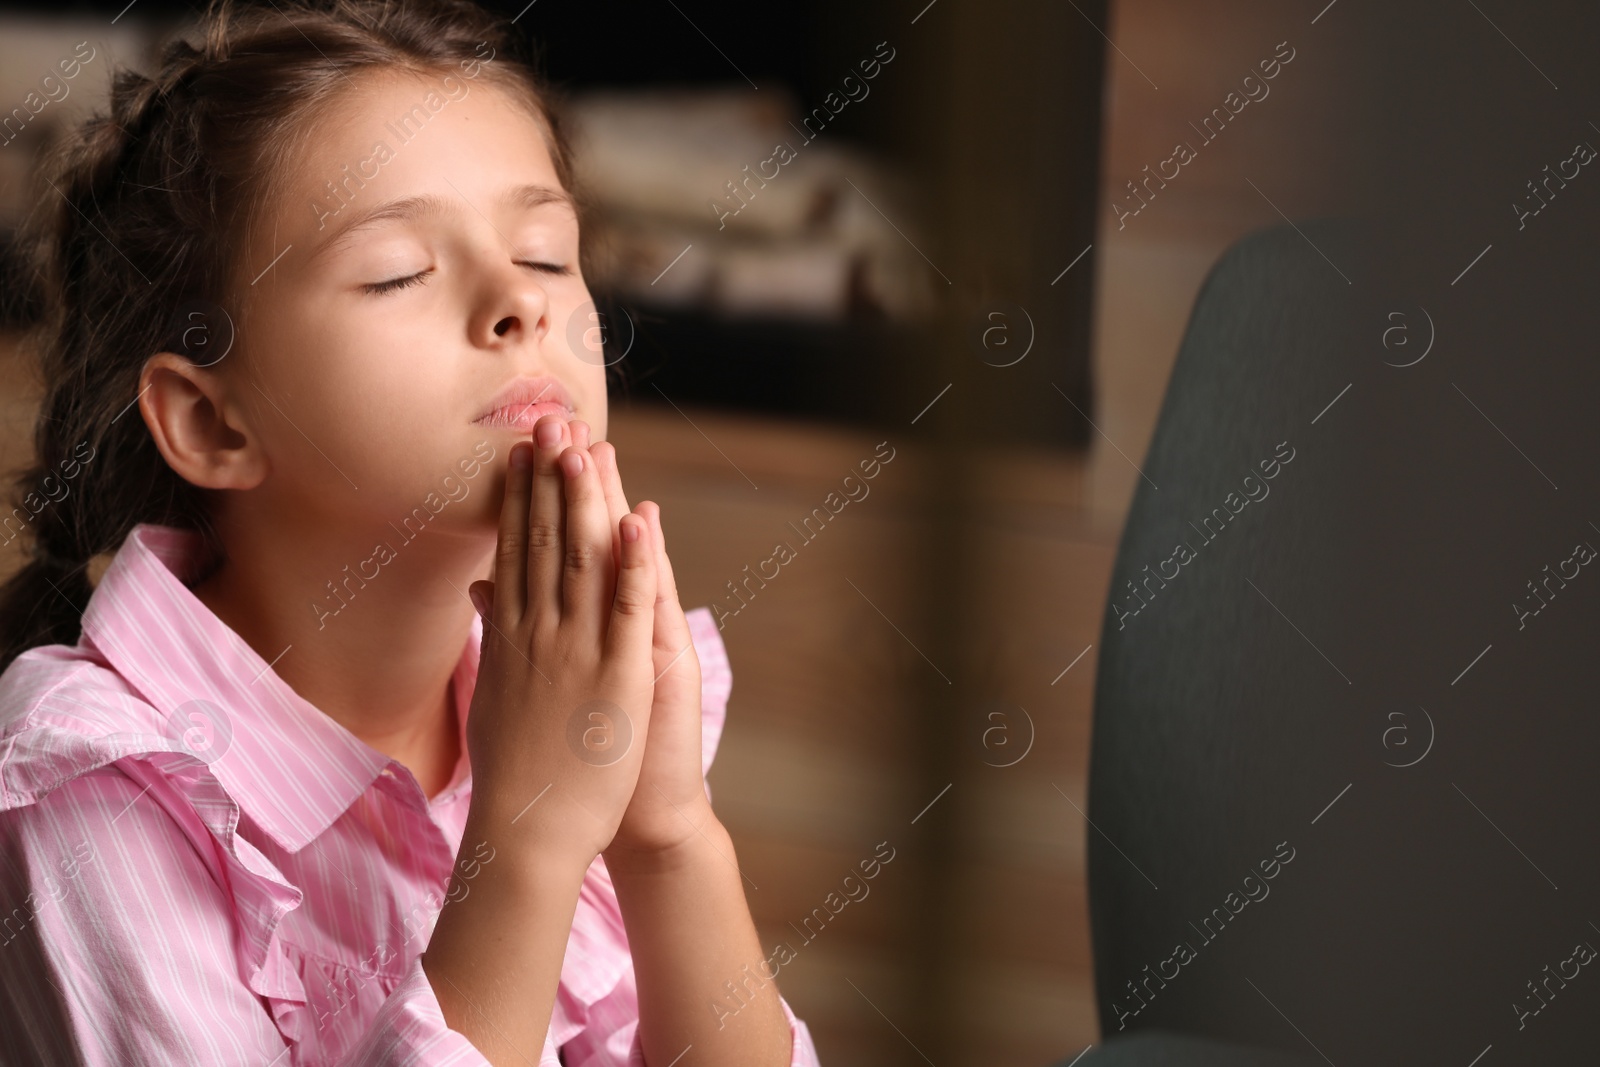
<point>516,307</point>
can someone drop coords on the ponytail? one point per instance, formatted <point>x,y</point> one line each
<point>93,253</point>
<point>57,591</point>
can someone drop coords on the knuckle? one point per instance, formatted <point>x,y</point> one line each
<point>581,556</point>
<point>543,537</point>
<point>632,600</point>
<point>512,545</point>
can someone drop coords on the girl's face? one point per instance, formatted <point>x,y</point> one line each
<point>423,260</point>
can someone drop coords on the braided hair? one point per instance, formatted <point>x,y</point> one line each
<point>132,249</point>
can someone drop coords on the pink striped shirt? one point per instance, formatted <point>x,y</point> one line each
<point>199,867</point>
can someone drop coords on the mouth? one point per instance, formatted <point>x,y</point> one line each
<point>524,401</point>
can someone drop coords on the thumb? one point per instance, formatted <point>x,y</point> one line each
<point>481,593</point>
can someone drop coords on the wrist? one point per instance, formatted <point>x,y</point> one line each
<point>522,847</point>
<point>709,841</point>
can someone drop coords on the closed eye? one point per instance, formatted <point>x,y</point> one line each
<point>379,288</point>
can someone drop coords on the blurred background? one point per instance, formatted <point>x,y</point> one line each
<point>963,262</point>
<point>937,267</point>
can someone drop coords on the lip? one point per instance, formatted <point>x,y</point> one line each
<point>521,402</point>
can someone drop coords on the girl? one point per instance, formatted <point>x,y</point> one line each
<point>272,791</point>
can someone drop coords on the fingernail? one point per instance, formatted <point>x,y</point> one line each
<point>572,463</point>
<point>520,458</point>
<point>548,432</point>
<point>630,532</point>
<point>476,597</point>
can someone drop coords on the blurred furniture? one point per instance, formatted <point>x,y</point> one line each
<point>1287,690</point>
<point>1194,737</point>
<point>858,283</point>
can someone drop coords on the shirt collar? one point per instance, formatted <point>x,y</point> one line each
<point>290,767</point>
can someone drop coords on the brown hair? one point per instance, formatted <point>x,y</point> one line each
<point>139,218</point>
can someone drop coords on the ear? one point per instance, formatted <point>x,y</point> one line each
<point>202,434</point>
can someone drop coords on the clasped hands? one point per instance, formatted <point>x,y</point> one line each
<point>583,613</point>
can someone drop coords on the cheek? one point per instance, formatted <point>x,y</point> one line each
<point>347,376</point>
<point>350,402</point>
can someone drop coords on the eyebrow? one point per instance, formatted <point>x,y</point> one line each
<point>424,205</point>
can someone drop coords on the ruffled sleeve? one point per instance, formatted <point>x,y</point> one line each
<point>127,947</point>
<point>64,760</point>
<point>146,929</point>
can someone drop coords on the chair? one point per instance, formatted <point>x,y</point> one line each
<point>1305,836</point>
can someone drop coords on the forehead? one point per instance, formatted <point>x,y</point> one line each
<point>399,132</point>
<point>407,108</point>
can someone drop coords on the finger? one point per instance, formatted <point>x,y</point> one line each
<point>547,523</point>
<point>587,576</point>
<point>668,586</point>
<point>511,550</point>
<point>671,627</point>
<point>675,654</point>
<point>580,433</point>
<point>633,607</point>
<point>481,593</point>
<point>605,461</point>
